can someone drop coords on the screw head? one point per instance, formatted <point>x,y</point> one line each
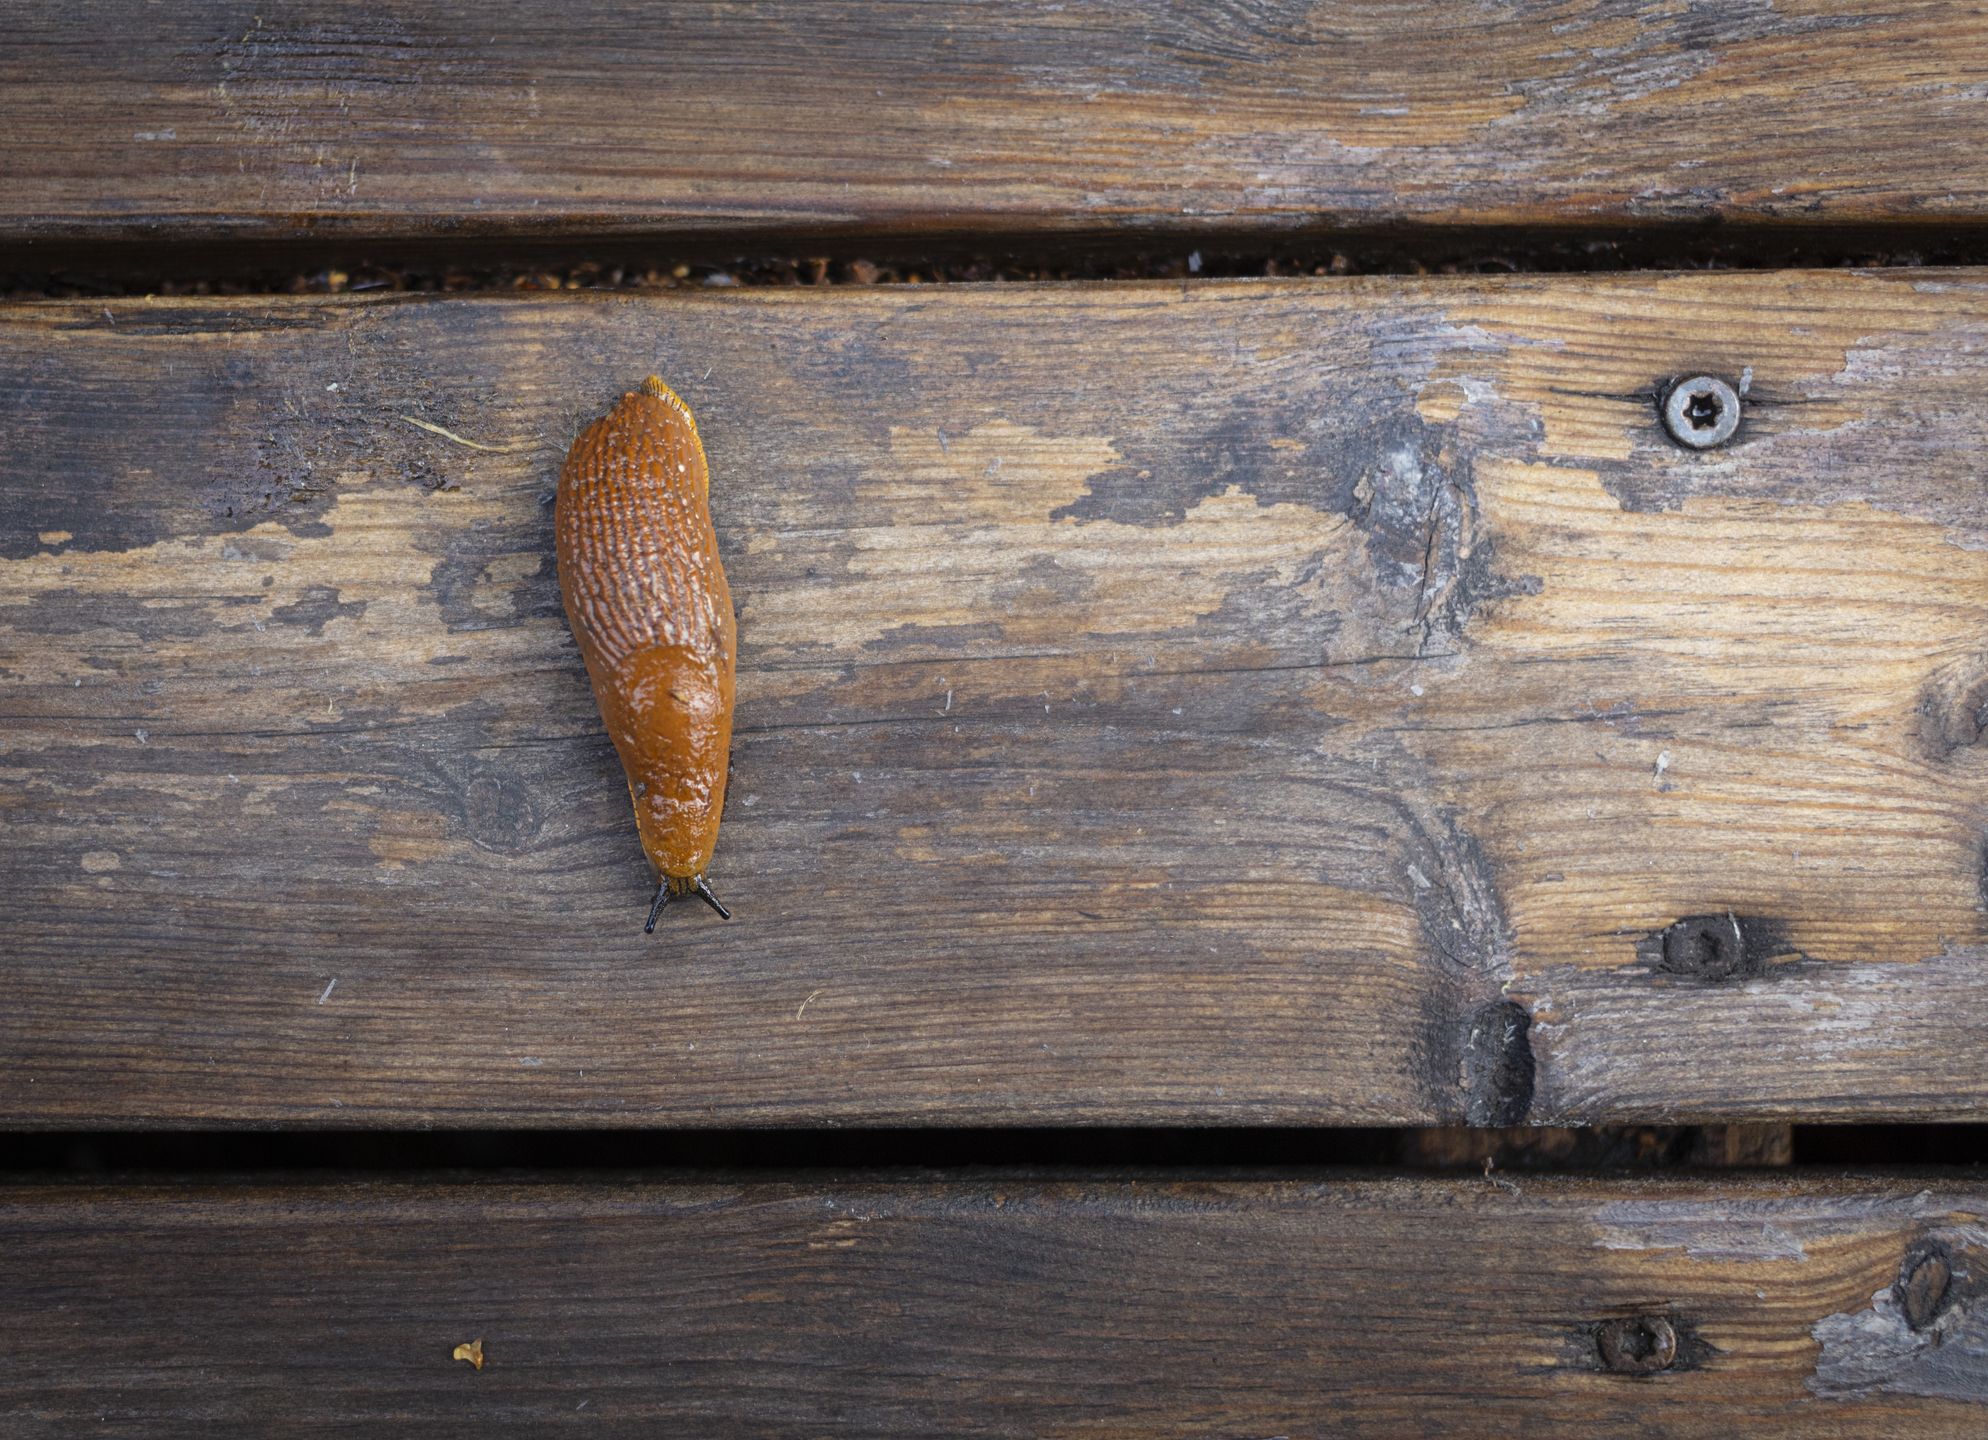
<point>1638,1345</point>
<point>1701,412</point>
<point>1706,947</point>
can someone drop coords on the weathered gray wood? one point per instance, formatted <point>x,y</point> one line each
<point>1003,1306</point>
<point>800,122</point>
<point>1239,702</point>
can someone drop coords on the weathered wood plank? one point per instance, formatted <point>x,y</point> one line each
<point>801,121</point>
<point>1007,1306</point>
<point>1246,702</point>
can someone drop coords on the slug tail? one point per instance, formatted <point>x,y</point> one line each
<point>654,386</point>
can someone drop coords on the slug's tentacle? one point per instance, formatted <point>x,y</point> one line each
<point>704,889</point>
<point>662,899</point>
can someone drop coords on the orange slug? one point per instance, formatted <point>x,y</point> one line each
<point>648,603</point>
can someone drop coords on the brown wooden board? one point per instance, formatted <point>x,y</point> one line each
<point>1309,702</point>
<point>1000,1306</point>
<point>801,122</point>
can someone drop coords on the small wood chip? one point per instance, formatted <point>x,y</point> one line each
<point>472,1352</point>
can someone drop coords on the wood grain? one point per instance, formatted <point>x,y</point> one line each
<point>803,122</point>
<point>1232,703</point>
<point>995,1306</point>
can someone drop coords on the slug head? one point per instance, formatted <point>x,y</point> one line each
<point>675,737</point>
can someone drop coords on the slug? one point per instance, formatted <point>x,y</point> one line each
<point>648,604</point>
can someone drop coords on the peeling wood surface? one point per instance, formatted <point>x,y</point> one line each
<point>988,1306</point>
<point>1924,1334</point>
<point>1233,702</point>
<point>250,119</point>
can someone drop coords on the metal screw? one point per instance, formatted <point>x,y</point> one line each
<point>1706,947</point>
<point>1639,1345</point>
<point>1701,412</point>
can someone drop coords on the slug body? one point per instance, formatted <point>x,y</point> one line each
<point>649,607</point>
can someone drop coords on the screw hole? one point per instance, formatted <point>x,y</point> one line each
<point>1703,410</point>
<point>1702,951</point>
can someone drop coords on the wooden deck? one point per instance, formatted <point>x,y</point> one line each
<point>1320,713</point>
<point>1006,1306</point>
<point>800,123</point>
<point>1185,703</point>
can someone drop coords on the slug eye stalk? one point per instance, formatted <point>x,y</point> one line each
<point>704,889</point>
<point>700,886</point>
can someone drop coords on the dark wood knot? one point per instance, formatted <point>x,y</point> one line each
<point>1925,1285</point>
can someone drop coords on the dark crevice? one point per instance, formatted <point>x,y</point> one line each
<point>1430,1150</point>
<point>308,266</point>
<point>1910,1145</point>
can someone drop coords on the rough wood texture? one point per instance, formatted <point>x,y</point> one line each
<point>1243,702</point>
<point>252,119</point>
<point>1007,1306</point>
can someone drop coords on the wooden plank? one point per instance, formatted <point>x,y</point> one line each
<point>1245,702</point>
<point>802,122</point>
<point>1005,1306</point>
